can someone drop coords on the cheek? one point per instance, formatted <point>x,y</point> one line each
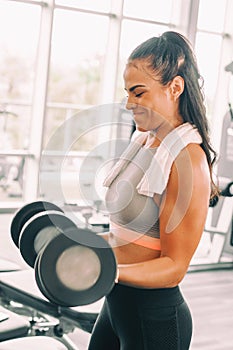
<point>156,107</point>
<point>160,104</point>
<point>148,104</point>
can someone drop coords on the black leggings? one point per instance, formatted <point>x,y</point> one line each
<point>143,319</point>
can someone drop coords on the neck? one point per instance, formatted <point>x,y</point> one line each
<point>155,136</point>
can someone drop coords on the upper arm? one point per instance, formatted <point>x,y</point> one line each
<point>184,206</point>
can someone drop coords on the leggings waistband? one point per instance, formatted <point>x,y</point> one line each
<point>157,297</point>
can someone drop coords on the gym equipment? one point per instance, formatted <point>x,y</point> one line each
<point>29,343</point>
<point>7,266</point>
<point>19,293</point>
<point>73,266</point>
<point>12,325</point>
<point>219,230</point>
<point>228,190</point>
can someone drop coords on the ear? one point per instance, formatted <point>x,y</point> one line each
<point>177,87</point>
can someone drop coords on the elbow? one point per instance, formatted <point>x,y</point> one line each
<point>175,281</point>
<point>177,274</point>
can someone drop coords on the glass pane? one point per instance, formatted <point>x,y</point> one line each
<point>14,126</point>
<point>77,154</point>
<point>77,57</point>
<point>56,114</point>
<point>156,10</point>
<point>77,61</point>
<point>100,5</point>
<point>19,31</point>
<point>133,34</point>
<point>208,51</point>
<point>11,177</point>
<point>211,15</point>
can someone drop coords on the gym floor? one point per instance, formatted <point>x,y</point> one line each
<point>209,295</point>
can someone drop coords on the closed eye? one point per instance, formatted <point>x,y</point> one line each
<point>139,94</point>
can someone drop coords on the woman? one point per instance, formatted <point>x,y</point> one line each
<point>158,197</point>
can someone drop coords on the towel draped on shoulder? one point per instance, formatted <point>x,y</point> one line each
<point>156,176</point>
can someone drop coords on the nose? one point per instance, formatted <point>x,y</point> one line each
<point>130,105</point>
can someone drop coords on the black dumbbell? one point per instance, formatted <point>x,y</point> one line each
<point>32,228</point>
<point>25,213</point>
<point>71,274</point>
<point>73,266</point>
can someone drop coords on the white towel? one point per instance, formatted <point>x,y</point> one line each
<point>156,177</point>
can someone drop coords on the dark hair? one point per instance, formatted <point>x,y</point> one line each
<point>170,55</point>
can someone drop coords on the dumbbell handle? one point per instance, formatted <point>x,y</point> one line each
<point>44,236</point>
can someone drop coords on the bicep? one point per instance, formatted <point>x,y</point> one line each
<point>184,206</point>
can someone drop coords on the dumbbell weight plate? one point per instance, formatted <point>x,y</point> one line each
<point>69,280</point>
<point>41,228</point>
<point>25,213</point>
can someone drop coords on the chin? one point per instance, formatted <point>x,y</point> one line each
<point>139,128</point>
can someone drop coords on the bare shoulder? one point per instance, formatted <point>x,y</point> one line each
<point>193,155</point>
<point>191,167</point>
<point>195,151</point>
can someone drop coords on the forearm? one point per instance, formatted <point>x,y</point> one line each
<point>162,272</point>
<point>157,273</point>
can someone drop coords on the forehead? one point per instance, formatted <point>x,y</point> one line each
<point>138,73</point>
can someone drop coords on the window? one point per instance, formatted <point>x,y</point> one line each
<point>76,67</point>
<point>18,46</point>
<point>100,5</point>
<point>210,39</point>
<point>149,10</point>
<point>90,43</point>
<point>211,15</point>
<point>208,52</point>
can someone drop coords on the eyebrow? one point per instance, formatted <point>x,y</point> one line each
<point>135,87</point>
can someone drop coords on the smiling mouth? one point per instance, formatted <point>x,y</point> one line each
<point>139,113</point>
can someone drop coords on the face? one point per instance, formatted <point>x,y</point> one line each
<point>152,103</point>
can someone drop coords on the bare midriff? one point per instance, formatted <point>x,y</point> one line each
<point>132,247</point>
<point>129,253</point>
